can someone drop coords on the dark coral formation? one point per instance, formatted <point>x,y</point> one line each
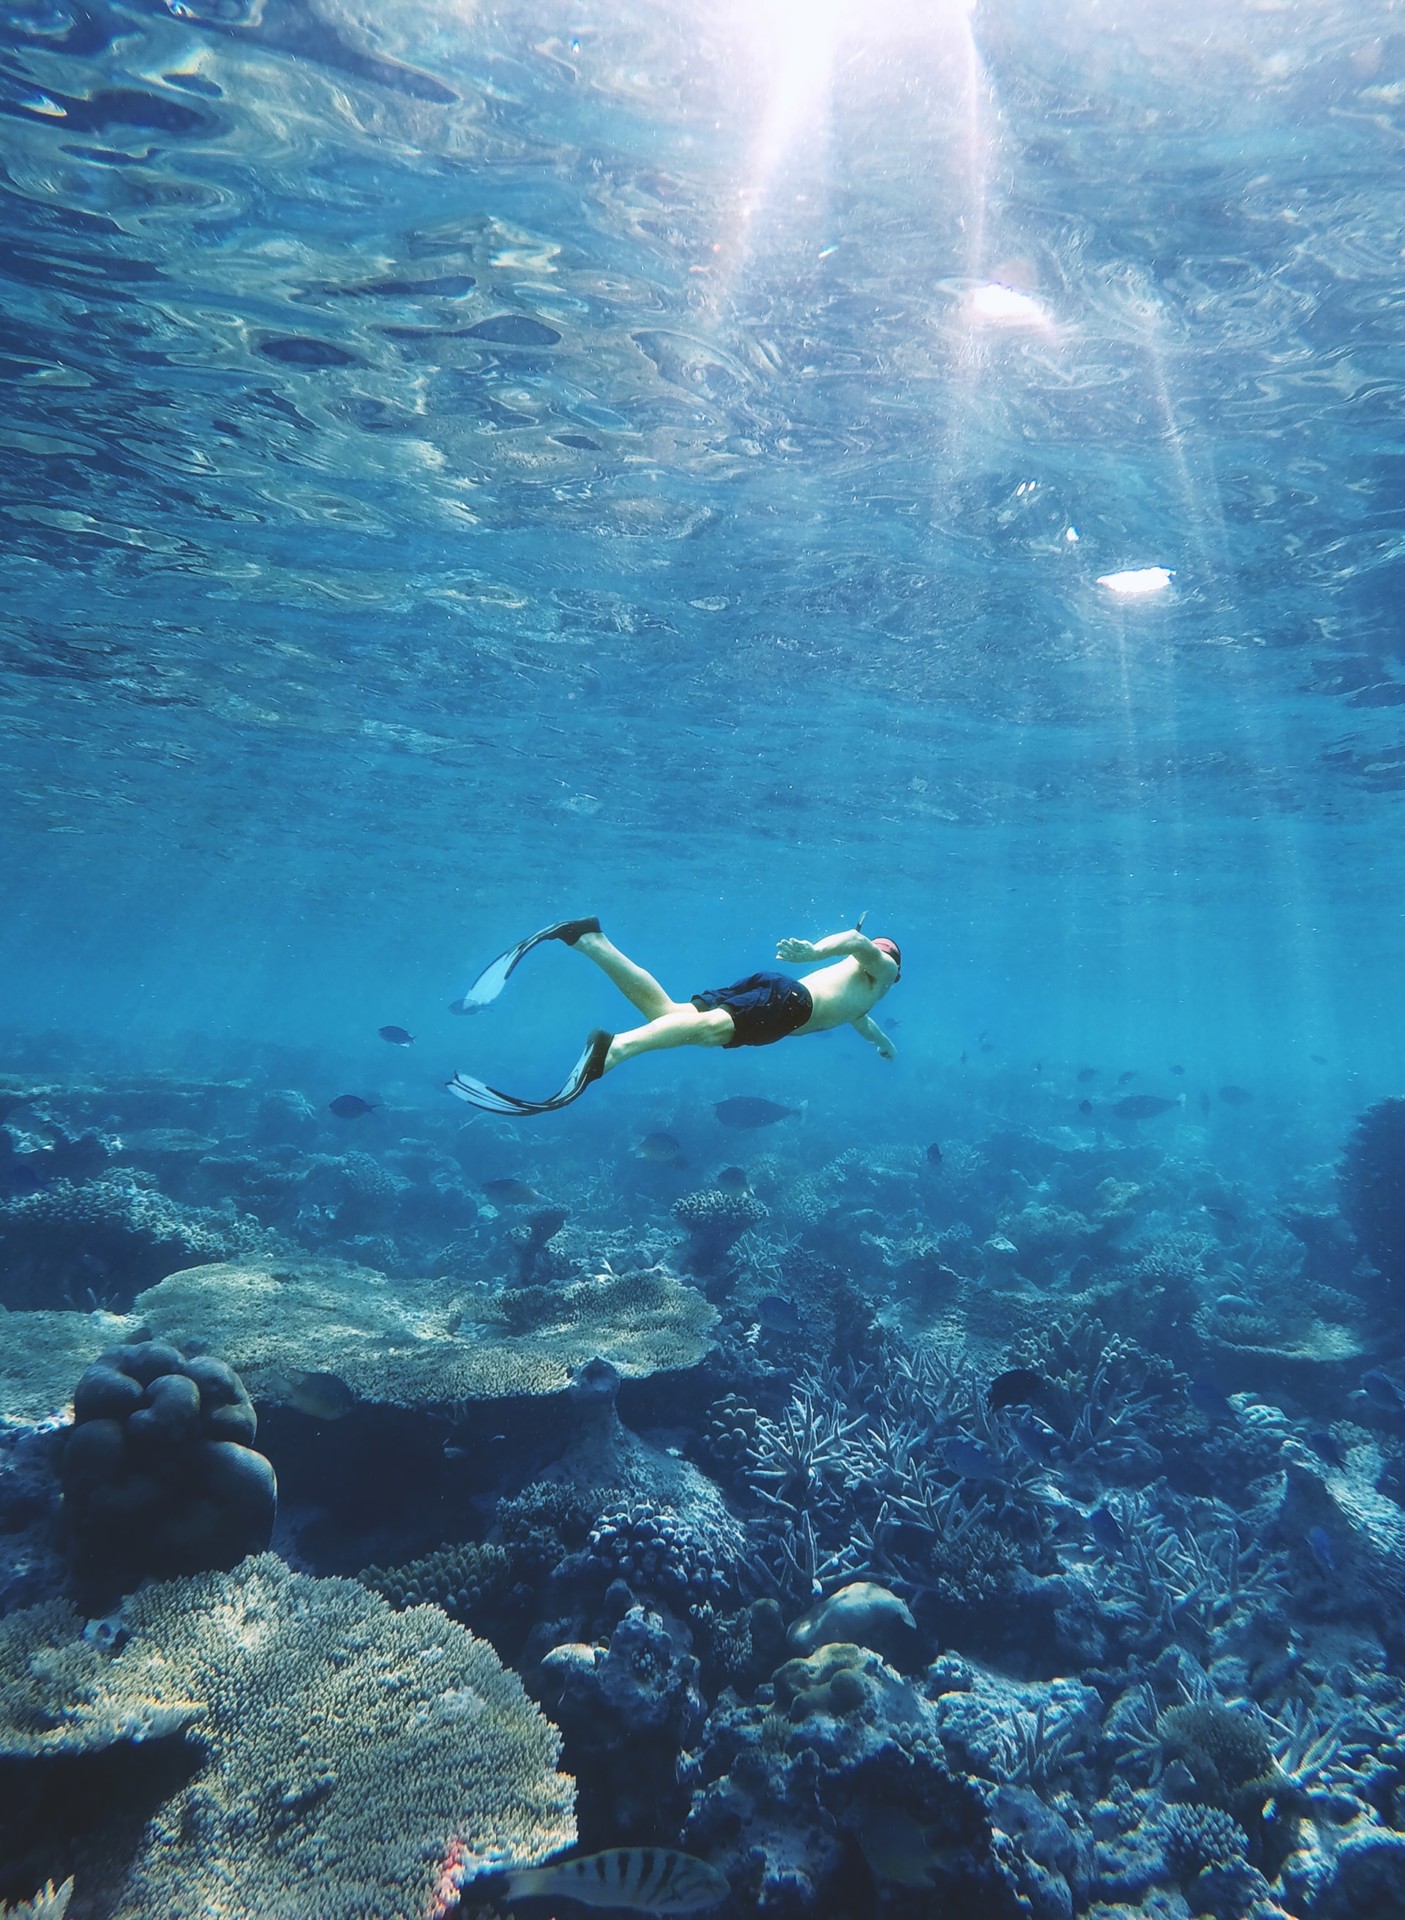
<point>159,1472</point>
<point>1373,1187</point>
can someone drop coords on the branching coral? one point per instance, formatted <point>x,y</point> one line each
<point>1227,1752</point>
<point>461,1579</point>
<point>50,1903</point>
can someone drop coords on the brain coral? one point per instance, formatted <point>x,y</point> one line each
<point>423,1348</point>
<point>348,1750</point>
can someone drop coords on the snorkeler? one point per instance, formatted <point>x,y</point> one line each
<point>754,1012</point>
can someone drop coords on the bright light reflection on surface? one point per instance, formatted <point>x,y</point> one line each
<point>1006,306</point>
<point>1137,582</point>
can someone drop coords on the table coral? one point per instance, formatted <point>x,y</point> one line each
<point>420,1347</point>
<point>345,1747</point>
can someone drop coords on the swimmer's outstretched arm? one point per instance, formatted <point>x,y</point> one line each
<point>875,1035</point>
<point>835,946</point>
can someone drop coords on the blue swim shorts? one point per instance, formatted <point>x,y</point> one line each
<point>764,1007</point>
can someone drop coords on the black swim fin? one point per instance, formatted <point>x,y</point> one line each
<point>587,1069</point>
<point>494,976</point>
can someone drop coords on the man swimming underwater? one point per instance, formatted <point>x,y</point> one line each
<point>754,1012</point>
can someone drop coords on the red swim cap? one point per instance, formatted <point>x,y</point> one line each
<point>891,948</point>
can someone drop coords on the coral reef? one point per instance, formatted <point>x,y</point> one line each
<point>50,1903</point>
<point>343,1750</point>
<point>1372,1200</point>
<point>463,1580</point>
<point>424,1347</point>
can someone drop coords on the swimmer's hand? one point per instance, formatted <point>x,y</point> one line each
<point>797,950</point>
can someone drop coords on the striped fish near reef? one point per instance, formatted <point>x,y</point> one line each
<point>631,1879</point>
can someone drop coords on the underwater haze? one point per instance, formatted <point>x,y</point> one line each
<point>753,471</point>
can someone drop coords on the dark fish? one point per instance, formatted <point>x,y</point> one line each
<point>630,1879</point>
<point>1320,1542</point>
<point>322,1396</point>
<point>1125,1079</point>
<point>1224,1215</point>
<point>934,1155</point>
<point>973,1460</point>
<point>1083,1268</point>
<point>1382,1389</point>
<point>397,1036</point>
<point>1143,1106</point>
<point>746,1111</point>
<point>1206,1397</point>
<point>1178,1071</point>
<point>1235,1096</point>
<point>778,1315</point>
<point>1327,1447</point>
<point>1017,1387</point>
<point>1085,1074</point>
<point>1205,1104</point>
<point>1085,1106</point>
<point>1318,1059</point>
<point>510,1193</point>
<point>349,1106</point>
<point>660,1148</point>
<point>733,1180</point>
<point>1106,1529</point>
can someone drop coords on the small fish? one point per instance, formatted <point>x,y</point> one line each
<point>934,1155</point>
<point>349,1106</point>
<point>1126,1079</point>
<point>1206,1397</point>
<point>1318,1059</point>
<point>1085,1106</point>
<point>747,1111</point>
<point>1320,1543</point>
<point>1205,1105</point>
<point>1327,1447</point>
<point>733,1180</point>
<point>1143,1106</point>
<point>973,1460</point>
<point>1037,1438</point>
<point>1106,1529</point>
<point>1382,1389</point>
<point>509,1192</point>
<point>1017,1387</point>
<point>321,1396</point>
<point>396,1036</point>
<point>631,1879</point>
<point>1224,1215</point>
<point>660,1149</point>
<point>776,1314</point>
<point>1178,1071</point>
<point>1086,1074</point>
<point>1235,1096</point>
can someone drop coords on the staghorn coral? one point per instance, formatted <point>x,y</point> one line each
<point>461,1579</point>
<point>346,1748</point>
<point>422,1349</point>
<point>61,1692</point>
<point>50,1903</point>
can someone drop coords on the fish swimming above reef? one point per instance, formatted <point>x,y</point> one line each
<point>509,1193</point>
<point>732,1180</point>
<point>350,1106</point>
<point>1143,1106</point>
<point>1235,1096</point>
<point>1327,1447</point>
<point>1085,1107</point>
<point>1125,1079</point>
<point>628,1879</point>
<point>396,1036</point>
<point>321,1396</point>
<point>660,1150</point>
<point>1086,1074</point>
<point>1382,1390</point>
<point>1017,1387</point>
<point>746,1111</point>
<point>1106,1529</point>
<point>973,1460</point>
<point>934,1155</point>
<point>776,1314</point>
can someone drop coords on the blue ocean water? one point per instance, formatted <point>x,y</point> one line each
<point>727,468</point>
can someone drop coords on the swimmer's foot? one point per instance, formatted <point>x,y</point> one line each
<point>598,1044</point>
<point>570,931</point>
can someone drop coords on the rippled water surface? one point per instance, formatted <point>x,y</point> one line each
<point>465,464</point>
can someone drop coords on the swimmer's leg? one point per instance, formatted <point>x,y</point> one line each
<point>641,989</point>
<point>680,1027</point>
